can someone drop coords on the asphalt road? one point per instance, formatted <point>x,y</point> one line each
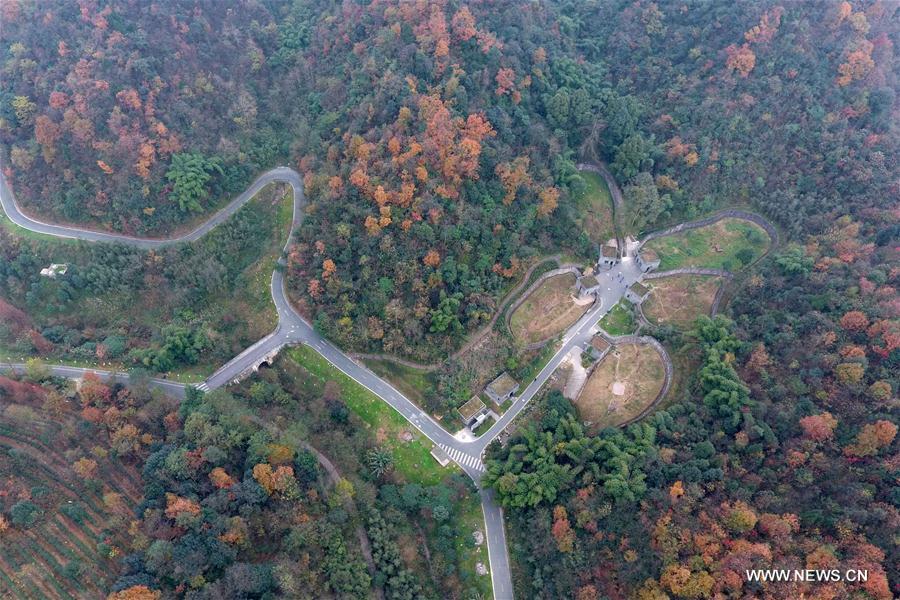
<point>15,214</point>
<point>173,388</point>
<point>293,329</point>
<point>613,284</point>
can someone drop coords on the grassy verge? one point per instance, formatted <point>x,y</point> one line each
<point>415,384</point>
<point>527,372</point>
<point>21,232</point>
<point>471,519</point>
<point>484,427</point>
<point>619,320</point>
<point>412,459</point>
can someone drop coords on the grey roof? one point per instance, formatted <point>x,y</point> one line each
<point>608,251</point>
<point>640,289</point>
<point>649,254</point>
<point>503,385</point>
<point>471,408</point>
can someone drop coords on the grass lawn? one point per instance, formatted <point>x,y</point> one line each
<point>471,518</point>
<point>595,208</point>
<point>484,427</point>
<point>729,244</point>
<point>412,459</point>
<point>619,320</point>
<point>548,311</point>
<point>415,384</point>
<point>621,386</point>
<point>678,300</point>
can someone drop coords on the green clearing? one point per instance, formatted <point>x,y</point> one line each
<point>619,320</point>
<point>412,459</point>
<point>729,244</point>
<point>595,208</point>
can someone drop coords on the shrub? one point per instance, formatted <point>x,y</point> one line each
<point>24,514</point>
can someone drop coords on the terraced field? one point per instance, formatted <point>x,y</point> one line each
<point>73,548</point>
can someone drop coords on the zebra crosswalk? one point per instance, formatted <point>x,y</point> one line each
<point>473,462</point>
<point>203,387</point>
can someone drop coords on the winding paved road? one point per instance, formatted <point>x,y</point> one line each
<point>293,329</point>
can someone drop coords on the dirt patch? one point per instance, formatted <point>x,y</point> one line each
<point>574,375</point>
<point>678,300</point>
<point>625,383</point>
<point>548,311</point>
<point>381,435</point>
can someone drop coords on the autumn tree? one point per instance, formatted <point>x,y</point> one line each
<point>135,592</point>
<point>872,438</point>
<point>86,468</point>
<point>819,428</point>
<point>740,59</point>
<point>549,199</point>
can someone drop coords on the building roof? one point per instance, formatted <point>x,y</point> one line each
<point>471,408</point>
<point>503,385</point>
<point>640,289</point>
<point>589,282</point>
<point>599,343</point>
<point>55,269</point>
<point>608,251</point>
<point>649,254</point>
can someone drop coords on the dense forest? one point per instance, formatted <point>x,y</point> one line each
<point>439,148</point>
<point>782,452</point>
<point>176,307</point>
<point>231,494</point>
<point>438,142</point>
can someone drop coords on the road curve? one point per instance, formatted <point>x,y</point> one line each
<point>15,214</point>
<point>291,329</point>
